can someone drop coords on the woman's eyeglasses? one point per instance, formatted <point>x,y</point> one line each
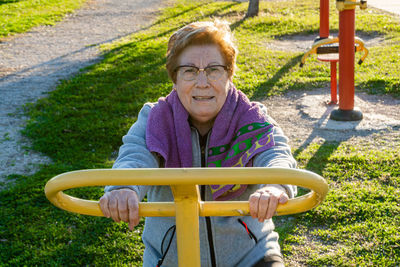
<point>190,73</point>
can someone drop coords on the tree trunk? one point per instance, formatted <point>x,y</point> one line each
<point>252,11</point>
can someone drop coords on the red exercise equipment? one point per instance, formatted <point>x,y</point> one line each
<point>344,53</point>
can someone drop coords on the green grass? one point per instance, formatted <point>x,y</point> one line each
<point>80,125</point>
<point>17,16</point>
<point>358,223</point>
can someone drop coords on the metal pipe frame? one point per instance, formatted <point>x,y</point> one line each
<point>187,206</point>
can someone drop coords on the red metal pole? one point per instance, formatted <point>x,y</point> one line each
<point>333,83</point>
<point>323,19</point>
<point>346,59</point>
<point>346,111</point>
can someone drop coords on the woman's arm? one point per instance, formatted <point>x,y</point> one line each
<point>134,153</point>
<point>121,203</point>
<point>279,155</point>
<point>264,201</point>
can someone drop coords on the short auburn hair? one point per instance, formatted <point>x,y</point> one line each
<point>202,33</point>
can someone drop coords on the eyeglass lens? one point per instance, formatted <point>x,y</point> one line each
<point>190,73</point>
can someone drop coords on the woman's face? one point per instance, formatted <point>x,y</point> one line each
<point>203,97</point>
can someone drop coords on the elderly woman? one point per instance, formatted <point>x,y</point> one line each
<point>204,122</point>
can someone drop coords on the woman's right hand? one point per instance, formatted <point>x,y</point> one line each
<point>121,205</point>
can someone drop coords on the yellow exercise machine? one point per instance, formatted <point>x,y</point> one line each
<point>187,206</point>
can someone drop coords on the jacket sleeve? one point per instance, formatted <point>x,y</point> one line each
<point>279,155</point>
<point>134,153</point>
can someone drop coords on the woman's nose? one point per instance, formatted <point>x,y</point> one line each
<point>202,79</point>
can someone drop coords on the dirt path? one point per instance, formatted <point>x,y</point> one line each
<point>32,64</point>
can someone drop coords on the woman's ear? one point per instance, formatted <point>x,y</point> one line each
<point>174,87</point>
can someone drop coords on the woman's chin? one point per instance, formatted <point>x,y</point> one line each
<point>203,117</point>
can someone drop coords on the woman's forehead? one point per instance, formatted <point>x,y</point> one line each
<point>200,54</point>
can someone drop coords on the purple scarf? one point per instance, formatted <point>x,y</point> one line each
<point>240,132</point>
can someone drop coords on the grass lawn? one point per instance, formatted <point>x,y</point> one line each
<point>81,123</point>
<point>17,16</point>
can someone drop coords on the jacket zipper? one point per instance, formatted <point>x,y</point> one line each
<point>209,231</point>
<point>203,198</point>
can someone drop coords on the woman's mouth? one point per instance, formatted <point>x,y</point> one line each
<point>203,98</point>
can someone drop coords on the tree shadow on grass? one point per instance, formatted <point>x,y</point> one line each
<point>200,16</point>
<point>387,85</point>
<point>236,24</point>
<point>2,2</point>
<point>265,88</point>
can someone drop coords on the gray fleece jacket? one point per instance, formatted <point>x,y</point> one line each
<point>223,240</point>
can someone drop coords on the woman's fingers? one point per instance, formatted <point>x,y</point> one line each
<point>272,205</point>
<point>113,207</point>
<point>263,202</point>
<point>253,204</point>
<point>133,206</point>
<point>121,205</point>
<point>263,205</point>
<point>104,205</point>
<point>123,210</point>
<point>283,199</point>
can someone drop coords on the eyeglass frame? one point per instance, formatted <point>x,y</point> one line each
<point>202,69</point>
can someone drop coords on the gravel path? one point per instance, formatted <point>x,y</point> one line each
<point>304,117</point>
<point>31,65</point>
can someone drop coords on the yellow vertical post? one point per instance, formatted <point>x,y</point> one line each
<point>187,205</point>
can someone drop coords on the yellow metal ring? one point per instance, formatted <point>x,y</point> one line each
<point>186,176</point>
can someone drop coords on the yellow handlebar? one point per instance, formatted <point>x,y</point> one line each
<point>350,4</point>
<point>313,49</point>
<point>359,46</point>
<point>187,206</point>
<point>186,177</point>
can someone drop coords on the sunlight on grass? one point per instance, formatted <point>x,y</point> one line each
<point>21,16</point>
<point>359,213</point>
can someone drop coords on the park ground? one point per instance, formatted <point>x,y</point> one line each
<point>79,125</point>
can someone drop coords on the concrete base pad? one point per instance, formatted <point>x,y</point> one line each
<point>315,106</point>
<point>346,115</point>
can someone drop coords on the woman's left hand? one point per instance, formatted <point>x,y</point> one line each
<point>264,201</point>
